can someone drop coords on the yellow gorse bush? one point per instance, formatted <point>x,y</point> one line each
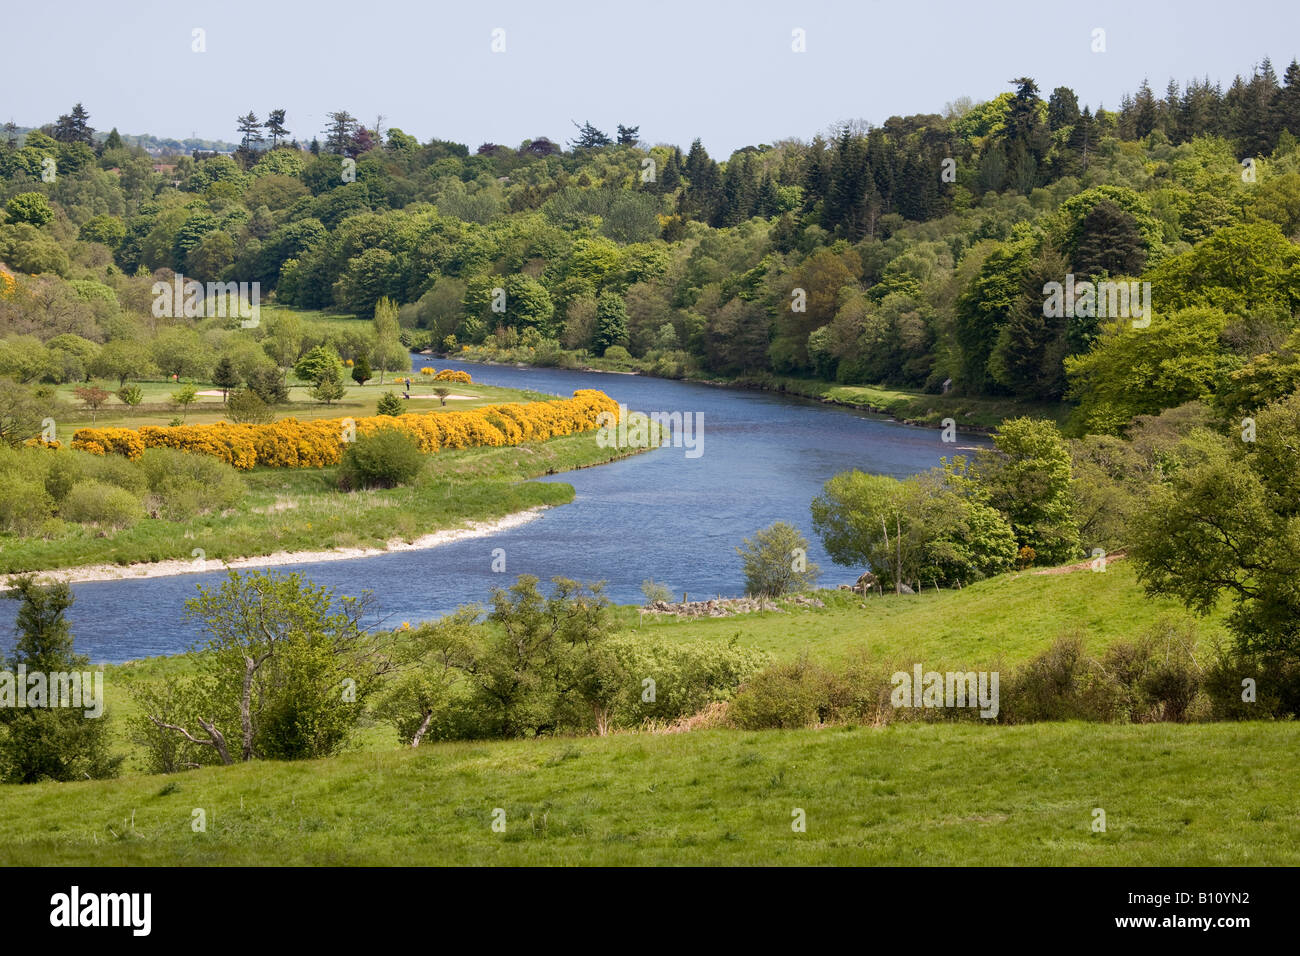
<point>290,443</point>
<point>451,375</point>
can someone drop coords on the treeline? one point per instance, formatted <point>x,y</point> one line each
<point>912,254</point>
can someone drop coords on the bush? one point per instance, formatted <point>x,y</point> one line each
<point>245,407</point>
<point>24,505</point>
<point>1275,680</point>
<point>94,502</point>
<point>183,485</point>
<point>131,395</point>
<point>792,695</point>
<point>389,404</point>
<point>383,459</point>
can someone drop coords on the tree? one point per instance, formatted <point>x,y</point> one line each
<point>267,384</point>
<point>388,353</point>
<point>284,671</point>
<point>93,397</point>
<point>442,392</point>
<point>611,322</point>
<point>627,135</point>
<point>121,359</point>
<point>775,561</point>
<point>275,126</point>
<point>328,389</point>
<point>250,130</point>
<point>22,413</point>
<point>245,407</point>
<point>361,370</point>
<point>341,132</point>
<point>75,127</point>
<point>589,137</point>
<point>31,208</point>
<point>225,376</point>
<point>1228,523</point>
<point>1027,477</point>
<point>180,351</point>
<point>390,404</point>
<point>53,741</point>
<point>186,396</point>
<point>130,395</point>
<point>319,364</point>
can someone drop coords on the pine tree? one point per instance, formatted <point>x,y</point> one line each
<point>275,126</point>
<point>1286,105</point>
<point>53,741</point>
<point>225,376</point>
<point>74,127</point>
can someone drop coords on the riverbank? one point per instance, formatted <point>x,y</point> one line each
<point>909,407</point>
<point>176,566</point>
<point>294,516</point>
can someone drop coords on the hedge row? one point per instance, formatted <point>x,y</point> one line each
<point>290,443</point>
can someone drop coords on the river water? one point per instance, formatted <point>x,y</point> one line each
<point>660,515</point>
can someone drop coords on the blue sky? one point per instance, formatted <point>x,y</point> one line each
<point>723,70</point>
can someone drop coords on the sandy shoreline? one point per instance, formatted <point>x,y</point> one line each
<point>175,566</point>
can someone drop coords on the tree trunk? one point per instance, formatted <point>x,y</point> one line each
<point>424,728</point>
<point>218,741</point>
<point>246,707</point>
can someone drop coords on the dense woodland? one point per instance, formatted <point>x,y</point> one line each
<point>912,253</point>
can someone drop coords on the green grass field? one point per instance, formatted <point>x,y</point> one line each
<point>1004,619</point>
<point>908,794</point>
<point>1211,794</point>
<point>359,401</point>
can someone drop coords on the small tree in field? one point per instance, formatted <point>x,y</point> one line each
<point>776,561</point>
<point>442,392</point>
<point>390,404</point>
<point>245,407</point>
<point>361,370</point>
<point>184,398</point>
<point>225,376</point>
<point>93,397</point>
<point>51,742</point>
<point>130,395</point>
<point>283,675</point>
<point>328,390</point>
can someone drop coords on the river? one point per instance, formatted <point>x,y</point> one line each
<point>660,515</point>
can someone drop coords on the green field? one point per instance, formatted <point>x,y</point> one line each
<point>1006,619</point>
<point>911,793</point>
<point>1211,794</point>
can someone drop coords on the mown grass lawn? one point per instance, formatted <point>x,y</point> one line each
<point>1209,794</point>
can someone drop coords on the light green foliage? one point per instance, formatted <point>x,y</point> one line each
<point>775,561</point>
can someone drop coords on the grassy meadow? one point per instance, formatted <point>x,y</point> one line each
<point>1210,794</point>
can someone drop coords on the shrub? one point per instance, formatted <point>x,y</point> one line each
<point>182,485</point>
<point>293,444</point>
<point>389,404</point>
<point>790,695</point>
<point>246,407</point>
<point>94,502</point>
<point>1274,685</point>
<point>453,375</point>
<point>24,505</point>
<point>131,395</point>
<point>1051,685</point>
<point>382,459</point>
